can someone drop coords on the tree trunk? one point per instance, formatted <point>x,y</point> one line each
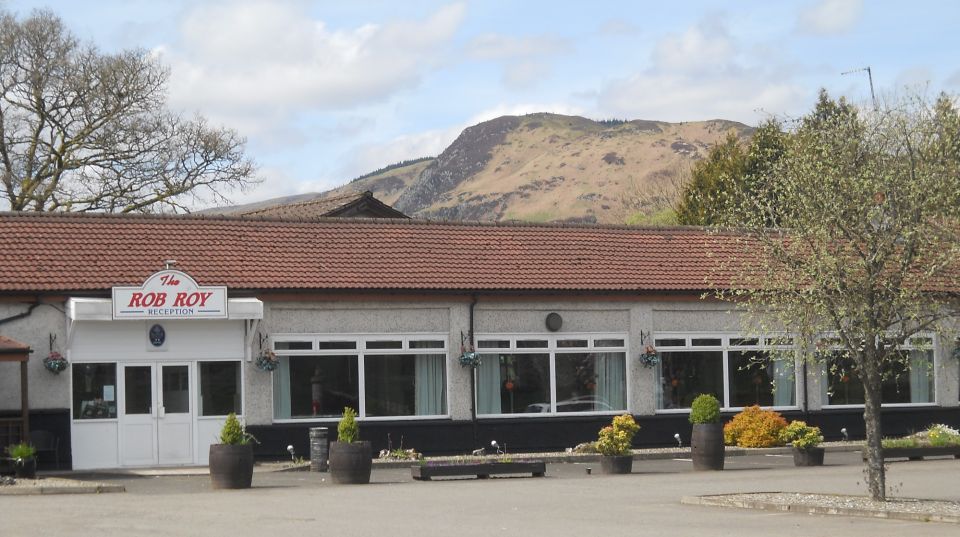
<point>876,475</point>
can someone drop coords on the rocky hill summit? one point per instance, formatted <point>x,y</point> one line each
<point>548,168</point>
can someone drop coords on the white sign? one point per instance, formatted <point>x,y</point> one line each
<point>170,294</point>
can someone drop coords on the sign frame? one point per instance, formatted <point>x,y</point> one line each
<point>170,294</point>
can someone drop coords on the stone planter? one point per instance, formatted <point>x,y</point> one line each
<point>231,466</point>
<point>616,464</point>
<point>27,469</point>
<point>808,457</point>
<point>350,462</point>
<point>917,453</point>
<point>482,470</point>
<point>706,446</point>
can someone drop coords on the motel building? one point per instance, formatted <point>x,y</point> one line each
<point>167,324</point>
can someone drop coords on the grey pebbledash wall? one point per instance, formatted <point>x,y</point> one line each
<point>502,315</point>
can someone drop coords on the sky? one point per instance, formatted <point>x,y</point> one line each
<point>325,91</point>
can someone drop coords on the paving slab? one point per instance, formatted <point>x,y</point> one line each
<point>566,502</point>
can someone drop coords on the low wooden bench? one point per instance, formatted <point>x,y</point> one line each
<point>482,470</point>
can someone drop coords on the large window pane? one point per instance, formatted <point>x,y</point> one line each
<point>513,383</point>
<point>94,391</point>
<point>907,379</point>
<point>220,388</point>
<point>404,385</point>
<point>315,386</point>
<point>684,375</point>
<point>590,382</point>
<point>757,378</point>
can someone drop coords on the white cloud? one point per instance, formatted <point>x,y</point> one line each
<point>523,59</point>
<point>525,74</point>
<point>828,17</point>
<point>913,78</point>
<point>953,81</point>
<point>255,63</point>
<point>704,47</point>
<point>700,74</point>
<point>612,27</point>
<point>503,47</point>
<point>679,97</point>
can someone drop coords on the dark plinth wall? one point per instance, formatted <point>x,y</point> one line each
<point>57,421</point>
<point>445,437</point>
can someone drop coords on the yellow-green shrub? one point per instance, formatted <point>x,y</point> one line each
<point>754,427</point>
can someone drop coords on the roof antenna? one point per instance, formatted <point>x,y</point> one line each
<point>169,263</point>
<point>870,76</point>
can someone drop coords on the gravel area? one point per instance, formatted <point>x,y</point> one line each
<point>832,504</point>
<point>55,485</point>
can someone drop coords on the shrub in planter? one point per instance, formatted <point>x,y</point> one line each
<point>706,441</point>
<point>351,460</point>
<point>805,441</point>
<point>231,461</point>
<point>754,427</point>
<point>24,460</point>
<point>614,445</point>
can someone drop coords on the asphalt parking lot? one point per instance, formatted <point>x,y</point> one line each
<point>568,501</point>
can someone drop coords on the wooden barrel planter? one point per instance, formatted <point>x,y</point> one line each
<point>231,466</point>
<point>350,462</point>
<point>706,446</point>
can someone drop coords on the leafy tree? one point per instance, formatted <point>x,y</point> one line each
<point>868,207</point>
<point>81,130</point>
<point>732,166</point>
<point>711,179</point>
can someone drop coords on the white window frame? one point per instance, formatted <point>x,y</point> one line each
<point>725,347</point>
<point>360,351</point>
<point>908,346</point>
<point>552,349</point>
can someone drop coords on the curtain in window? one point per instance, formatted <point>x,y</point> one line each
<point>784,393</point>
<point>920,377</point>
<point>488,385</point>
<point>611,381</point>
<point>281,389</point>
<point>428,384</point>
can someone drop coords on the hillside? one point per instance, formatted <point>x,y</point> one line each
<point>547,168</point>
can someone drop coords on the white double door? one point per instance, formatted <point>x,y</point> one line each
<point>156,414</point>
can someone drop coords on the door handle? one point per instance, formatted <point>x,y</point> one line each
<point>162,411</point>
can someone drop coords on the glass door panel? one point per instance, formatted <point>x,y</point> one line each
<point>138,389</point>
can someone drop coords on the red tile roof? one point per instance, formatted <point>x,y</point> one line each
<point>12,346</point>
<point>95,252</point>
<point>362,204</point>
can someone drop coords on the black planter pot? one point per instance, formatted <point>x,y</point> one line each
<point>26,469</point>
<point>231,466</point>
<point>350,462</point>
<point>808,457</point>
<point>706,446</point>
<point>616,464</point>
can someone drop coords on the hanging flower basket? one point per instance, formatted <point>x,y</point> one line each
<point>470,359</point>
<point>649,357</point>
<point>267,361</point>
<point>55,362</point>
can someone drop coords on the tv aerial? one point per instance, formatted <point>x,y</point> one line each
<point>873,96</point>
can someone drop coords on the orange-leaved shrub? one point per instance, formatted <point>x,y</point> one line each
<point>754,427</point>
